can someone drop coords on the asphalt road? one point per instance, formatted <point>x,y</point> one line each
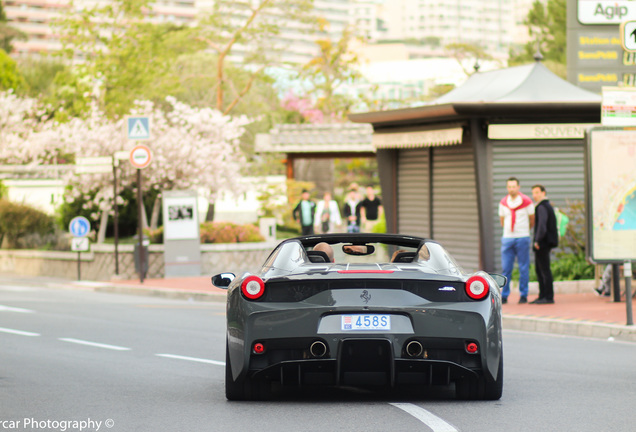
<point>128,363</point>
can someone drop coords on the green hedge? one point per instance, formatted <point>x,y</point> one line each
<point>18,221</point>
<point>228,232</point>
<point>217,232</point>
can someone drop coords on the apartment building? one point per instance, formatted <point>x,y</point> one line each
<point>489,23</point>
<point>35,19</point>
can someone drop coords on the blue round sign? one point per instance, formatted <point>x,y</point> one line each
<point>79,226</point>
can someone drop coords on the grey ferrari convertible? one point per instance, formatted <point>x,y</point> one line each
<point>362,310</point>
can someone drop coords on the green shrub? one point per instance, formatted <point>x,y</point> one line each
<point>568,260</point>
<point>571,267</point>
<point>155,235</point>
<point>228,232</point>
<point>18,221</point>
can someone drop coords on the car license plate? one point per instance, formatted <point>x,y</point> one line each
<point>366,322</point>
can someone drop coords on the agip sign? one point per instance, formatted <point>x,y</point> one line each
<point>595,56</point>
<point>605,12</point>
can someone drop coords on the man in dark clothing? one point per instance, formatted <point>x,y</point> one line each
<point>351,211</point>
<point>371,210</point>
<point>304,213</point>
<point>546,237</point>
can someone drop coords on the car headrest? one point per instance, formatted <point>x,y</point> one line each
<point>404,257</point>
<point>317,256</point>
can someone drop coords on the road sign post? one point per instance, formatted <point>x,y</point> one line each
<point>119,155</point>
<point>627,269</point>
<point>140,158</point>
<point>79,227</point>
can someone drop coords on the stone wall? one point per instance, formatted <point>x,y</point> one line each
<point>99,263</point>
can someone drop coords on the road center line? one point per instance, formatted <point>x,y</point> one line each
<point>14,309</point>
<point>193,359</point>
<point>95,344</point>
<point>18,332</point>
<point>426,417</point>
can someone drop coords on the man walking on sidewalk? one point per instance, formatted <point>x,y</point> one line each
<point>546,237</point>
<point>516,214</point>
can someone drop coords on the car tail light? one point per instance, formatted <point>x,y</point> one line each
<point>253,287</point>
<point>477,288</point>
<point>472,348</point>
<point>258,348</point>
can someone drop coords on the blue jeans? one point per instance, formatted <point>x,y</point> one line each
<point>519,248</point>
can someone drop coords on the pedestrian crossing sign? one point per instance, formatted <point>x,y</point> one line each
<point>138,128</point>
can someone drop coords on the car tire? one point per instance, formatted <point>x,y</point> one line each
<point>234,390</point>
<point>481,389</point>
<point>494,389</point>
<point>243,388</point>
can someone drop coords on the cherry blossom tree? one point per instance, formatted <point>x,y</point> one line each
<point>19,118</point>
<point>193,148</point>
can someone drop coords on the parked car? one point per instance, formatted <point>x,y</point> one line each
<point>363,310</point>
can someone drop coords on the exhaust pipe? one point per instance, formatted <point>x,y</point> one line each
<point>414,349</point>
<point>318,349</point>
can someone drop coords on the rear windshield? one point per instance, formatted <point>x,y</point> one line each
<point>431,257</point>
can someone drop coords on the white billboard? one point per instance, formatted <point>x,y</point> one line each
<point>180,218</point>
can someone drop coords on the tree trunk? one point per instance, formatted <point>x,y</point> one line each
<point>103,223</point>
<point>154,218</point>
<point>144,217</point>
<point>210,214</point>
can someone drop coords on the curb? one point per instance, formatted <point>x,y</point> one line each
<point>161,293</point>
<point>566,327</point>
<point>105,287</point>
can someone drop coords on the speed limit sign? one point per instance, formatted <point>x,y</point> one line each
<point>140,156</point>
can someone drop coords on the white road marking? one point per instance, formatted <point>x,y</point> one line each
<point>14,309</point>
<point>193,359</point>
<point>95,344</point>
<point>17,288</point>
<point>426,417</point>
<point>18,332</point>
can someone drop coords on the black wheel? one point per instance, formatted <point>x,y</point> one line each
<point>243,388</point>
<point>481,388</point>
<point>234,390</point>
<point>494,389</point>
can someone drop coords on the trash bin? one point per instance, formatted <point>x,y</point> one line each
<point>146,243</point>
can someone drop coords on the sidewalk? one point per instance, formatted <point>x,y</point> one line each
<point>575,314</point>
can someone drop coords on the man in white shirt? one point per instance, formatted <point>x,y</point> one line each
<point>516,213</point>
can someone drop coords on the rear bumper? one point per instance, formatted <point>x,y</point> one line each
<point>443,330</point>
<point>366,362</point>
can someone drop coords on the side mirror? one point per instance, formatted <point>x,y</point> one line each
<point>223,280</point>
<point>501,280</point>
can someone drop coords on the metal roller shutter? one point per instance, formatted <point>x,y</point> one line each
<point>557,165</point>
<point>413,187</point>
<point>455,216</point>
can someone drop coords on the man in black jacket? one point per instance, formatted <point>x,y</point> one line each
<point>304,213</point>
<point>546,237</point>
